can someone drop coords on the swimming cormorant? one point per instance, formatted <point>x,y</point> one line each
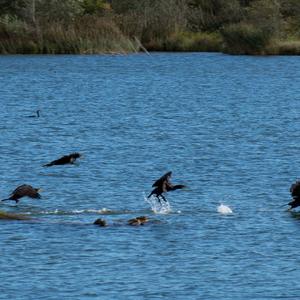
<point>100,222</point>
<point>295,193</point>
<point>163,185</point>
<point>67,159</point>
<point>35,116</point>
<point>22,191</point>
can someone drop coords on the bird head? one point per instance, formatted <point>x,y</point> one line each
<point>75,155</point>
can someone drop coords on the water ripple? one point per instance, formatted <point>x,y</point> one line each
<point>227,126</point>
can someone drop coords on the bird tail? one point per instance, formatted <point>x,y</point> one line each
<point>48,165</point>
<point>8,200</point>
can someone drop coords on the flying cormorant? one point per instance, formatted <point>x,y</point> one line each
<point>67,159</point>
<point>163,185</point>
<point>295,193</point>
<point>24,190</point>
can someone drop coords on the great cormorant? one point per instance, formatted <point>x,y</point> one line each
<point>24,190</point>
<point>35,116</point>
<point>67,159</point>
<point>163,185</point>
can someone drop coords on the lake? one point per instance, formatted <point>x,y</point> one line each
<point>226,126</point>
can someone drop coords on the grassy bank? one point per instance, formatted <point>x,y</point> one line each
<point>99,36</point>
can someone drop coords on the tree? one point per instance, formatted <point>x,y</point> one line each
<point>57,10</point>
<point>265,14</point>
<point>211,15</point>
<point>261,23</point>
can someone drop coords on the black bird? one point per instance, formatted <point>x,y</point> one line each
<point>100,222</point>
<point>295,193</point>
<point>24,190</point>
<point>35,116</point>
<point>67,159</point>
<point>163,185</point>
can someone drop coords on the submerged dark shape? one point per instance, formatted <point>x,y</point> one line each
<point>11,216</point>
<point>35,116</point>
<point>100,222</point>
<point>24,190</point>
<point>163,185</point>
<point>67,159</point>
<point>138,221</point>
<point>295,193</point>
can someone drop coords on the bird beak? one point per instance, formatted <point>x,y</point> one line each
<point>39,190</point>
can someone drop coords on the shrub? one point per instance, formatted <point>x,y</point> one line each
<point>189,41</point>
<point>245,38</point>
<point>284,48</point>
<point>94,6</point>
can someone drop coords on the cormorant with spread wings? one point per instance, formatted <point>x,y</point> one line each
<point>163,185</point>
<point>24,190</point>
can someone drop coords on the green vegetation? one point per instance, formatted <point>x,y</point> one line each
<point>123,26</point>
<point>245,38</point>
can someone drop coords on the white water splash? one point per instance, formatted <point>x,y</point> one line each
<point>156,207</point>
<point>224,209</point>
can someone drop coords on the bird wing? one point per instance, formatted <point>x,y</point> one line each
<point>24,190</point>
<point>19,189</point>
<point>175,187</point>
<point>161,180</point>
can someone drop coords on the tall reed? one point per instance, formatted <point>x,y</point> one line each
<point>85,35</point>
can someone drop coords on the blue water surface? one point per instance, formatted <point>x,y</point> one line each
<point>226,126</point>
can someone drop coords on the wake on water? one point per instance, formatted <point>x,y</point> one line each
<point>156,207</point>
<point>103,211</point>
